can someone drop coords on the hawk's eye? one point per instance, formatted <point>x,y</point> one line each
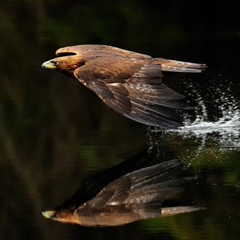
<point>63,54</point>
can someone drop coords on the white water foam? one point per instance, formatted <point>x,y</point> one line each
<point>224,132</point>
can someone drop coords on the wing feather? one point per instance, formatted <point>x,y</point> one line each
<point>133,89</point>
<point>141,191</point>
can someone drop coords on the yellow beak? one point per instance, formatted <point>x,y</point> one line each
<point>49,65</point>
<point>48,214</point>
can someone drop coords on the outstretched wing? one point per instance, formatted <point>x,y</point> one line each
<point>140,192</point>
<point>134,89</point>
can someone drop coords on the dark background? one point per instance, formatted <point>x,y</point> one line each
<point>54,132</point>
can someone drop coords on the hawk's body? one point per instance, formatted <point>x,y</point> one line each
<point>128,82</point>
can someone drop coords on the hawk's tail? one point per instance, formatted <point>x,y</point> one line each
<point>180,66</point>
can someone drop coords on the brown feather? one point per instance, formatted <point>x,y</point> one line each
<point>128,82</point>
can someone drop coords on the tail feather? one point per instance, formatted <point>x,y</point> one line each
<point>171,211</point>
<point>180,66</point>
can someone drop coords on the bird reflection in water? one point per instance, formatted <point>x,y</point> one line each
<point>133,190</point>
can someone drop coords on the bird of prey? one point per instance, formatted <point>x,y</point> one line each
<point>134,196</point>
<point>128,82</point>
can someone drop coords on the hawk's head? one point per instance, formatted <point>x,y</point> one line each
<point>68,59</point>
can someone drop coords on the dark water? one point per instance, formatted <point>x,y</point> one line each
<point>54,133</point>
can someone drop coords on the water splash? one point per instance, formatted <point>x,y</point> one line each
<point>212,137</point>
<point>224,131</point>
